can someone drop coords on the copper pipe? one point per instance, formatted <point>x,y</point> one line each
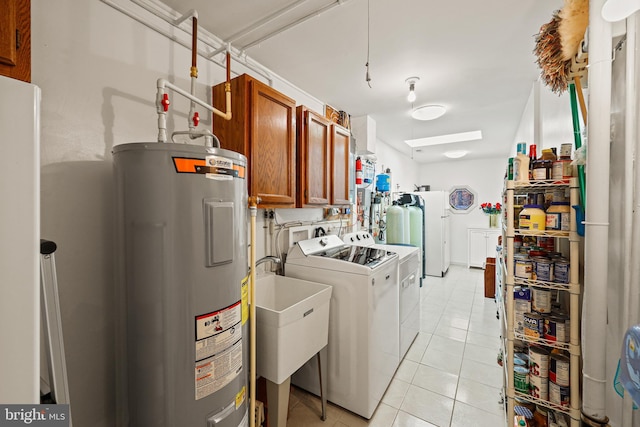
<point>194,43</point>
<point>228,67</point>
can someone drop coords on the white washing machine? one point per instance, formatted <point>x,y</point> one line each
<point>363,319</point>
<point>409,284</point>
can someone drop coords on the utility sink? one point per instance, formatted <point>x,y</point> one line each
<point>292,324</point>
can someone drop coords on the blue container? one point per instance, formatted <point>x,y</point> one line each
<point>383,182</point>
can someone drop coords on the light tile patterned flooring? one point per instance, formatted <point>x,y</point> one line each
<point>449,377</point>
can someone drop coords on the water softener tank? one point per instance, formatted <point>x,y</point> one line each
<point>416,221</point>
<point>406,215</point>
<point>395,224</point>
<point>182,270</point>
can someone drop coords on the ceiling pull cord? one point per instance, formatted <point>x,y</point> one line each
<point>368,76</point>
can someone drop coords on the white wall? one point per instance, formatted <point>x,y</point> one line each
<point>545,121</point>
<point>484,176</point>
<point>97,70</point>
<point>404,171</point>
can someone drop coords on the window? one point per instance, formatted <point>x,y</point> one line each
<point>462,199</point>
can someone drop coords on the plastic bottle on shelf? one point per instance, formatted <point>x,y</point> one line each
<point>521,164</point>
<point>532,158</point>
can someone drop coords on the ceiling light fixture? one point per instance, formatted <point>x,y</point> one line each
<point>428,112</point>
<point>444,139</point>
<point>412,88</point>
<point>456,154</point>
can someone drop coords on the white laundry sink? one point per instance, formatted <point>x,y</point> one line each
<point>292,324</point>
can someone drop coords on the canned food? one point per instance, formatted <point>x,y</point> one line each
<point>533,325</point>
<point>524,268</point>
<point>548,244</point>
<point>521,359</point>
<point>522,306</point>
<point>556,328</point>
<point>539,387</point>
<point>541,301</point>
<point>522,293</point>
<point>559,395</point>
<point>543,269</point>
<point>554,255</point>
<point>521,379</point>
<point>539,361</point>
<point>517,243</point>
<point>561,169</point>
<point>561,270</point>
<point>559,369</point>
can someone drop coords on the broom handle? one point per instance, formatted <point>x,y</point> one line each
<point>583,106</point>
<point>578,142</point>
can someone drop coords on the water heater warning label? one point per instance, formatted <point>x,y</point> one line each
<point>218,331</point>
<point>215,372</point>
<point>218,349</point>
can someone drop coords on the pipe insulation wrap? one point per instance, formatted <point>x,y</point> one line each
<point>594,314</point>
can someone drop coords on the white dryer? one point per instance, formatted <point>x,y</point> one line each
<point>409,269</point>
<point>363,319</point>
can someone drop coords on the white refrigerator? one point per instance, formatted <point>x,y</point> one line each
<point>437,232</point>
<point>20,242</point>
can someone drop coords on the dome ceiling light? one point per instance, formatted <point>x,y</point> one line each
<point>428,112</point>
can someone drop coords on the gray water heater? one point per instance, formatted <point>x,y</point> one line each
<point>181,299</point>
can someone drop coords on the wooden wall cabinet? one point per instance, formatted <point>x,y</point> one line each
<point>15,39</point>
<point>314,159</point>
<point>323,160</point>
<point>262,128</point>
<point>340,140</point>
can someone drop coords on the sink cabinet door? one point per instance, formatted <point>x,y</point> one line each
<point>340,140</point>
<point>313,131</point>
<point>263,129</point>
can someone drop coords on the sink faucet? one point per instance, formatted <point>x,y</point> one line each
<point>271,258</point>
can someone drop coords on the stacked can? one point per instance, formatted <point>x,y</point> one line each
<point>539,372</point>
<point>559,392</point>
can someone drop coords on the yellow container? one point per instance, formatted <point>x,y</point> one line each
<point>532,218</point>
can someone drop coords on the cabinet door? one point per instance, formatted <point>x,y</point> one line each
<point>339,165</point>
<point>477,248</point>
<point>15,39</point>
<point>272,134</point>
<point>313,158</point>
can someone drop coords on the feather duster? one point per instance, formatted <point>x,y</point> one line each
<point>574,19</point>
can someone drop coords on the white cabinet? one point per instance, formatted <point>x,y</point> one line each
<point>481,243</point>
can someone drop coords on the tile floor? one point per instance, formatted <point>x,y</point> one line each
<point>449,377</point>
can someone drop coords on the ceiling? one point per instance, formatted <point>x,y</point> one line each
<point>473,57</point>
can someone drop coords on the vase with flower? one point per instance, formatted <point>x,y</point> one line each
<point>493,210</point>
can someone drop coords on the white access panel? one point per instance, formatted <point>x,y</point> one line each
<point>20,242</point>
